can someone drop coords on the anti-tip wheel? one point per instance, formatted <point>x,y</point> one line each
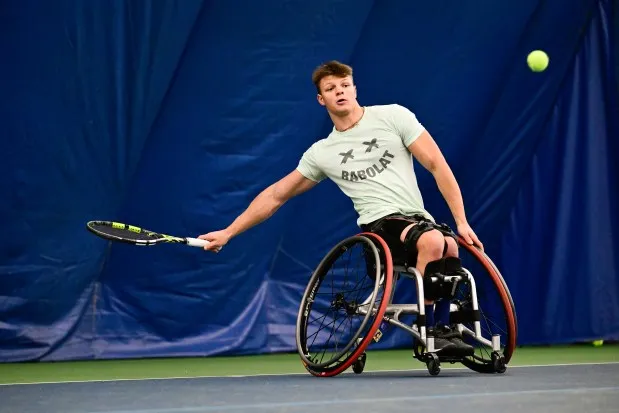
<point>359,364</point>
<point>498,362</point>
<point>434,365</point>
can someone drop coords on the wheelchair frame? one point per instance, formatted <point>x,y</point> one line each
<point>387,276</point>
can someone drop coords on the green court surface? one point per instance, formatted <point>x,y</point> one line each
<point>35,372</point>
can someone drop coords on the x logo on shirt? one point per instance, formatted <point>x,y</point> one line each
<point>346,155</point>
<point>371,144</point>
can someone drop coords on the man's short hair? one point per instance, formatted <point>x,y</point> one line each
<point>331,68</point>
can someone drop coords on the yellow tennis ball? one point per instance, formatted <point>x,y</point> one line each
<point>538,60</point>
<point>598,343</point>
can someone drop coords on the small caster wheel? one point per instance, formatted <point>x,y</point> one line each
<point>359,365</point>
<point>434,365</point>
<point>498,363</point>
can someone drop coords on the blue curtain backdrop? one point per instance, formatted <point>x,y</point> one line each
<point>173,115</point>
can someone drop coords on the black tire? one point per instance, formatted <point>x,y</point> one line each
<point>434,365</point>
<point>498,363</point>
<point>359,365</point>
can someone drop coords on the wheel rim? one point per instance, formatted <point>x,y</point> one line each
<point>332,300</point>
<point>496,308</point>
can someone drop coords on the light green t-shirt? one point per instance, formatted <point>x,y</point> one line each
<point>371,163</point>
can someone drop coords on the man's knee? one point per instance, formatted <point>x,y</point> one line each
<point>431,244</point>
<point>423,238</point>
<point>452,247</point>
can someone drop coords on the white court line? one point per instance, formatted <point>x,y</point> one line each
<point>448,368</point>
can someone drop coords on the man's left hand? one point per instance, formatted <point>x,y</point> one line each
<point>469,236</point>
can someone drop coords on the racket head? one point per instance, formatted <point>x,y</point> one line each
<point>120,232</point>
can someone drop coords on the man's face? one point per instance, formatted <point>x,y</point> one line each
<point>338,94</point>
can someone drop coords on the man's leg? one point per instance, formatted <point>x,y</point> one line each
<point>432,245</point>
<point>463,348</point>
<point>443,306</point>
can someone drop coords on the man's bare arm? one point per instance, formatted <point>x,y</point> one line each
<point>427,152</point>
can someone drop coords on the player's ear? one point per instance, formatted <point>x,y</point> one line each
<point>320,99</point>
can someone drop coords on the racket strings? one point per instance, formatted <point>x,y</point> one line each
<point>124,233</point>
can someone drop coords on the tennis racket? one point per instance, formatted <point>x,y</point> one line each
<point>117,231</point>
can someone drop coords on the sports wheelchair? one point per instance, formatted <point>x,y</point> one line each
<point>349,303</point>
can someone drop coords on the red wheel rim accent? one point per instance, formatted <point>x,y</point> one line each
<point>483,259</point>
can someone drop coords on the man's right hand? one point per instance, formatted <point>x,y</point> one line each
<point>216,240</point>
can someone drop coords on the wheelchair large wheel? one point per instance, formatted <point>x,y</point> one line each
<point>497,313</point>
<point>343,304</point>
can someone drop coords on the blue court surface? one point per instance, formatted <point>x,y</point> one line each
<point>559,388</point>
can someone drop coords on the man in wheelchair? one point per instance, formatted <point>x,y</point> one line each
<point>416,241</point>
<point>369,155</point>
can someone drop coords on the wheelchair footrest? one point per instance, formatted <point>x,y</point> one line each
<point>450,359</point>
<point>424,357</point>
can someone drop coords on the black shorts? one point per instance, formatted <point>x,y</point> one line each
<point>390,228</point>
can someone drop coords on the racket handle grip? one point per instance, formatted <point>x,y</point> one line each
<point>196,242</point>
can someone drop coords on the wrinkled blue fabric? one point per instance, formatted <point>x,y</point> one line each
<point>173,115</point>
